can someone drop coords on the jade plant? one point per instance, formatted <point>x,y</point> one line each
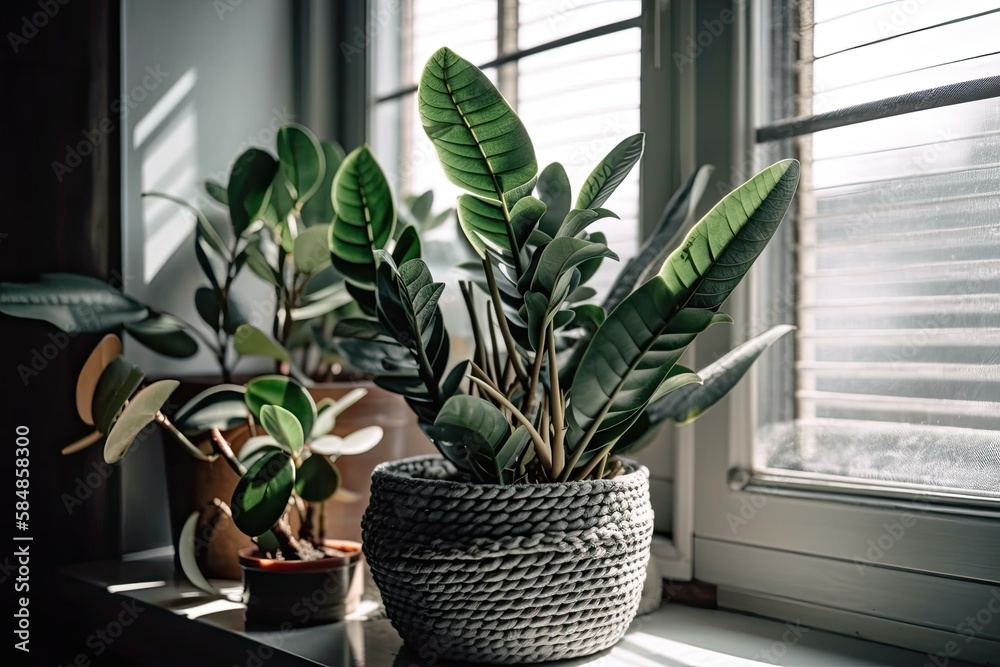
<point>286,468</point>
<point>556,387</point>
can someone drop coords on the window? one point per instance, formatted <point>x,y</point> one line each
<point>853,483</point>
<point>570,68</point>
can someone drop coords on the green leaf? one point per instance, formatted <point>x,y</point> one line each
<point>283,426</point>
<point>71,302</point>
<point>609,174</point>
<point>483,223</point>
<point>117,384</point>
<point>136,416</point>
<point>316,479</point>
<point>720,249</point>
<point>212,264</point>
<point>311,251</point>
<point>420,207</point>
<point>221,407</point>
<point>563,254</point>
<point>249,187</point>
<point>258,446</point>
<point>407,246</point>
<point>472,429</point>
<point>302,161</point>
<point>366,217</point>
<point>677,213</point>
<point>261,267</point>
<point>481,143</point>
<point>590,267</point>
<point>328,410</point>
<point>579,219</point>
<point>217,192</point>
<point>525,217</point>
<point>629,356</point>
<point>280,390</point>
<point>319,209</point>
<point>554,189</point>
<point>719,377</point>
<point>510,453</point>
<point>262,494</point>
<point>164,334</point>
<point>206,302</point>
<point>250,341</point>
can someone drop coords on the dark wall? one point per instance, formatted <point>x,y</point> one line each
<point>60,213</point>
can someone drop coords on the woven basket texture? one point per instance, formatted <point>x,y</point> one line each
<point>506,574</point>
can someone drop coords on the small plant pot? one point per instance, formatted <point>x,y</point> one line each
<point>296,594</point>
<point>507,574</point>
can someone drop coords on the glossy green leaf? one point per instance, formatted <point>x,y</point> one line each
<point>677,213</point>
<point>327,410</point>
<point>316,480</point>
<point>509,454</point>
<point>611,171</point>
<point>319,209</point>
<point>71,302</point>
<point>475,429</point>
<point>164,334</point>
<point>407,246</point>
<point>100,358</point>
<point>554,189</point>
<point>366,217</point>
<point>249,187</point>
<point>420,207</point>
<point>301,160</point>
<point>283,426</point>
<point>187,555</point>
<point>221,407</point>
<point>283,391</point>
<point>563,254</point>
<point>256,447</point>
<point>250,341</point>
<point>629,356</point>
<point>136,416</point>
<point>261,267</point>
<point>206,302</point>
<point>211,261</point>
<point>719,377</point>
<point>483,223</point>
<point>720,249</point>
<point>579,219</point>
<point>481,143</point>
<point>117,384</point>
<point>311,249</point>
<point>262,494</point>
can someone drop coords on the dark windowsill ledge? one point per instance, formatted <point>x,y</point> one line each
<point>170,622</point>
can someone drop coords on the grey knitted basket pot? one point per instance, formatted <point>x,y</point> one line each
<point>506,574</point>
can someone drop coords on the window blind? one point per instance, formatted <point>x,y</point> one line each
<point>897,247</point>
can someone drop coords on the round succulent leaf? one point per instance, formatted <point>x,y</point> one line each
<point>188,557</point>
<point>316,479</point>
<point>136,416</point>
<point>283,427</point>
<point>262,494</point>
<point>249,341</point>
<point>358,442</point>
<point>109,348</point>
<point>221,407</point>
<point>256,447</point>
<point>118,382</point>
<point>283,391</point>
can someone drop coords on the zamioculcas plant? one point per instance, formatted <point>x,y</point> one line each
<point>556,387</point>
<point>285,468</point>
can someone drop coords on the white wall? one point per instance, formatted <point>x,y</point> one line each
<point>207,79</point>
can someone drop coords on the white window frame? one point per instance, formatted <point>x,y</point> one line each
<point>804,554</point>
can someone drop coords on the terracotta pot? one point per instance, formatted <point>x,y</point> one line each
<point>193,485</point>
<point>301,593</point>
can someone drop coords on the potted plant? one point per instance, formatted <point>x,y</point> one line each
<point>527,539</point>
<point>285,475</point>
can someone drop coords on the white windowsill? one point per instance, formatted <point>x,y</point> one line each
<point>673,635</point>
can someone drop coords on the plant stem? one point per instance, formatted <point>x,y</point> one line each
<point>601,455</point>
<point>162,420</point>
<point>556,407</point>
<point>498,370</point>
<point>508,340</point>
<point>221,446</point>
<point>530,402</point>
<point>481,374</point>
<point>470,305</point>
<point>544,455</point>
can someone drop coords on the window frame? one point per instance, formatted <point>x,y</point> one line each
<point>804,554</point>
